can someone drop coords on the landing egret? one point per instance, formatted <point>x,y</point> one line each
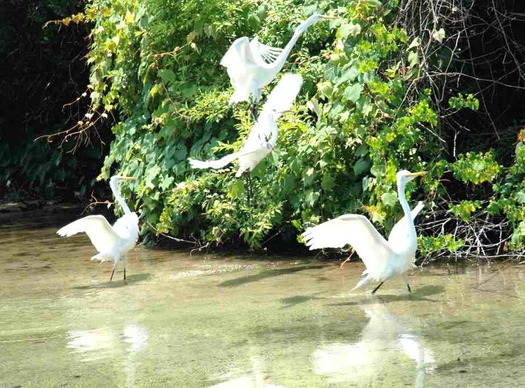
<point>112,242</point>
<point>252,65</point>
<point>263,136</point>
<point>383,259</point>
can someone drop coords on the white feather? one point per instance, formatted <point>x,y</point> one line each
<point>111,242</point>
<point>252,65</point>
<point>263,136</point>
<point>353,229</point>
<point>383,259</point>
<point>98,229</point>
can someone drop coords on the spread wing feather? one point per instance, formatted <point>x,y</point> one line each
<point>283,95</point>
<point>353,229</point>
<point>218,163</point>
<point>237,54</point>
<point>98,229</point>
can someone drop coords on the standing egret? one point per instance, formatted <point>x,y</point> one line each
<point>112,242</point>
<point>383,259</point>
<point>263,136</point>
<point>252,65</point>
<point>399,228</point>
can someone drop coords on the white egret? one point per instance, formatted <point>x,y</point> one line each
<point>399,228</point>
<point>383,259</point>
<point>263,136</point>
<point>112,242</point>
<point>252,65</point>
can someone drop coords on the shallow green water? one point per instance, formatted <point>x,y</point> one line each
<point>205,320</point>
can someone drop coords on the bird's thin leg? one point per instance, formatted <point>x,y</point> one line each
<point>405,278</point>
<point>347,260</point>
<point>377,288</point>
<point>125,265</point>
<point>113,272</point>
<point>253,110</point>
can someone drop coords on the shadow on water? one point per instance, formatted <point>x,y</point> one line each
<point>298,299</point>
<point>131,279</point>
<point>419,295</point>
<point>266,274</point>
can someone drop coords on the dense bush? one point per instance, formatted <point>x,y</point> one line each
<point>373,102</point>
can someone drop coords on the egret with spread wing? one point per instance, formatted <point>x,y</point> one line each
<point>383,259</point>
<point>111,242</point>
<point>252,65</point>
<point>263,136</point>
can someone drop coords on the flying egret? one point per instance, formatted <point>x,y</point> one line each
<point>263,136</point>
<point>252,65</point>
<point>383,259</point>
<point>112,242</point>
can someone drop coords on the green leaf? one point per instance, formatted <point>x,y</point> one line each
<point>361,166</point>
<point>237,189</point>
<point>389,198</point>
<point>328,182</point>
<point>520,196</point>
<point>353,92</point>
<point>166,182</point>
<point>167,76</point>
<point>413,58</point>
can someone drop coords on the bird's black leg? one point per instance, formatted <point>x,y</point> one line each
<point>112,273</point>
<point>377,288</point>
<point>253,110</point>
<point>405,278</point>
<point>124,273</point>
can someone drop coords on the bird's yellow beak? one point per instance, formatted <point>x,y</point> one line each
<point>128,178</point>
<point>328,17</point>
<point>415,174</point>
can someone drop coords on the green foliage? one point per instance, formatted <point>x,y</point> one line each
<point>476,168</point>
<point>464,209</point>
<point>431,244</point>
<point>363,114</point>
<point>461,101</point>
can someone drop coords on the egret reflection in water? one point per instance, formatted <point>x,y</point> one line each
<point>256,377</point>
<point>134,336</point>
<point>104,343</point>
<point>387,345</point>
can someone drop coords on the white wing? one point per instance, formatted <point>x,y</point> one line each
<point>238,54</point>
<point>353,229</point>
<point>262,54</point>
<point>98,229</point>
<point>218,163</point>
<point>283,95</point>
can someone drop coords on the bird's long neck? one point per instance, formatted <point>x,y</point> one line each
<point>116,192</point>
<point>404,203</point>
<point>281,59</point>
